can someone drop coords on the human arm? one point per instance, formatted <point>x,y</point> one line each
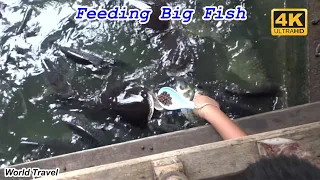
<point>218,119</point>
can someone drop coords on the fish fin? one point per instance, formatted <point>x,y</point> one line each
<point>85,58</point>
<point>81,57</point>
<point>26,17</point>
<point>157,105</point>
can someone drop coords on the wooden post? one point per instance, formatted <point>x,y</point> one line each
<point>168,169</point>
<point>283,146</point>
<point>314,48</point>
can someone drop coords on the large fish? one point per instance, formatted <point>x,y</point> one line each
<point>133,103</point>
<point>187,90</point>
<point>154,22</point>
<point>26,17</point>
<point>245,69</point>
<point>179,52</point>
<point>88,136</point>
<point>81,125</point>
<point>48,147</point>
<point>57,80</point>
<point>235,105</point>
<point>86,58</point>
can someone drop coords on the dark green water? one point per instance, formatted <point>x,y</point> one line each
<point>26,111</point>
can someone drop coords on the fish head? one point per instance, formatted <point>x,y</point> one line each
<point>131,101</point>
<point>59,84</point>
<point>187,88</point>
<point>179,53</point>
<point>57,79</point>
<point>154,22</point>
<point>155,100</point>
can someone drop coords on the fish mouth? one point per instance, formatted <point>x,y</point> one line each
<point>155,100</point>
<point>185,89</point>
<point>151,105</point>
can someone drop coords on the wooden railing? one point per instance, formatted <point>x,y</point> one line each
<point>205,161</point>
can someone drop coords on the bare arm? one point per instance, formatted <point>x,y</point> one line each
<point>209,109</point>
<point>223,124</point>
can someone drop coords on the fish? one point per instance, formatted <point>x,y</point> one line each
<point>26,18</point>
<point>187,88</point>
<point>48,147</point>
<point>82,126</point>
<point>179,53</point>
<point>50,39</point>
<point>56,80</point>
<point>244,72</point>
<point>85,58</point>
<point>35,148</point>
<point>167,121</point>
<point>133,103</point>
<point>269,89</point>
<point>154,23</point>
<point>241,62</point>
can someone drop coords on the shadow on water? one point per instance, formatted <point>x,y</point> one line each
<point>35,73</point>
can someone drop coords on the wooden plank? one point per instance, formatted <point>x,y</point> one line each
<point>293,53</point>
<point>177,140</point>
<point>200,162</point>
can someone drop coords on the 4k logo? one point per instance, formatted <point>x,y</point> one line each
<point>289,22</point>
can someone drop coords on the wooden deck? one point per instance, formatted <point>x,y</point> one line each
<point>201,162</point>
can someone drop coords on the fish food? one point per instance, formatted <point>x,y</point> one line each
<point>165,98</point>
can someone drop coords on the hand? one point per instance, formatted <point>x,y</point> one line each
<point>200,100</point>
